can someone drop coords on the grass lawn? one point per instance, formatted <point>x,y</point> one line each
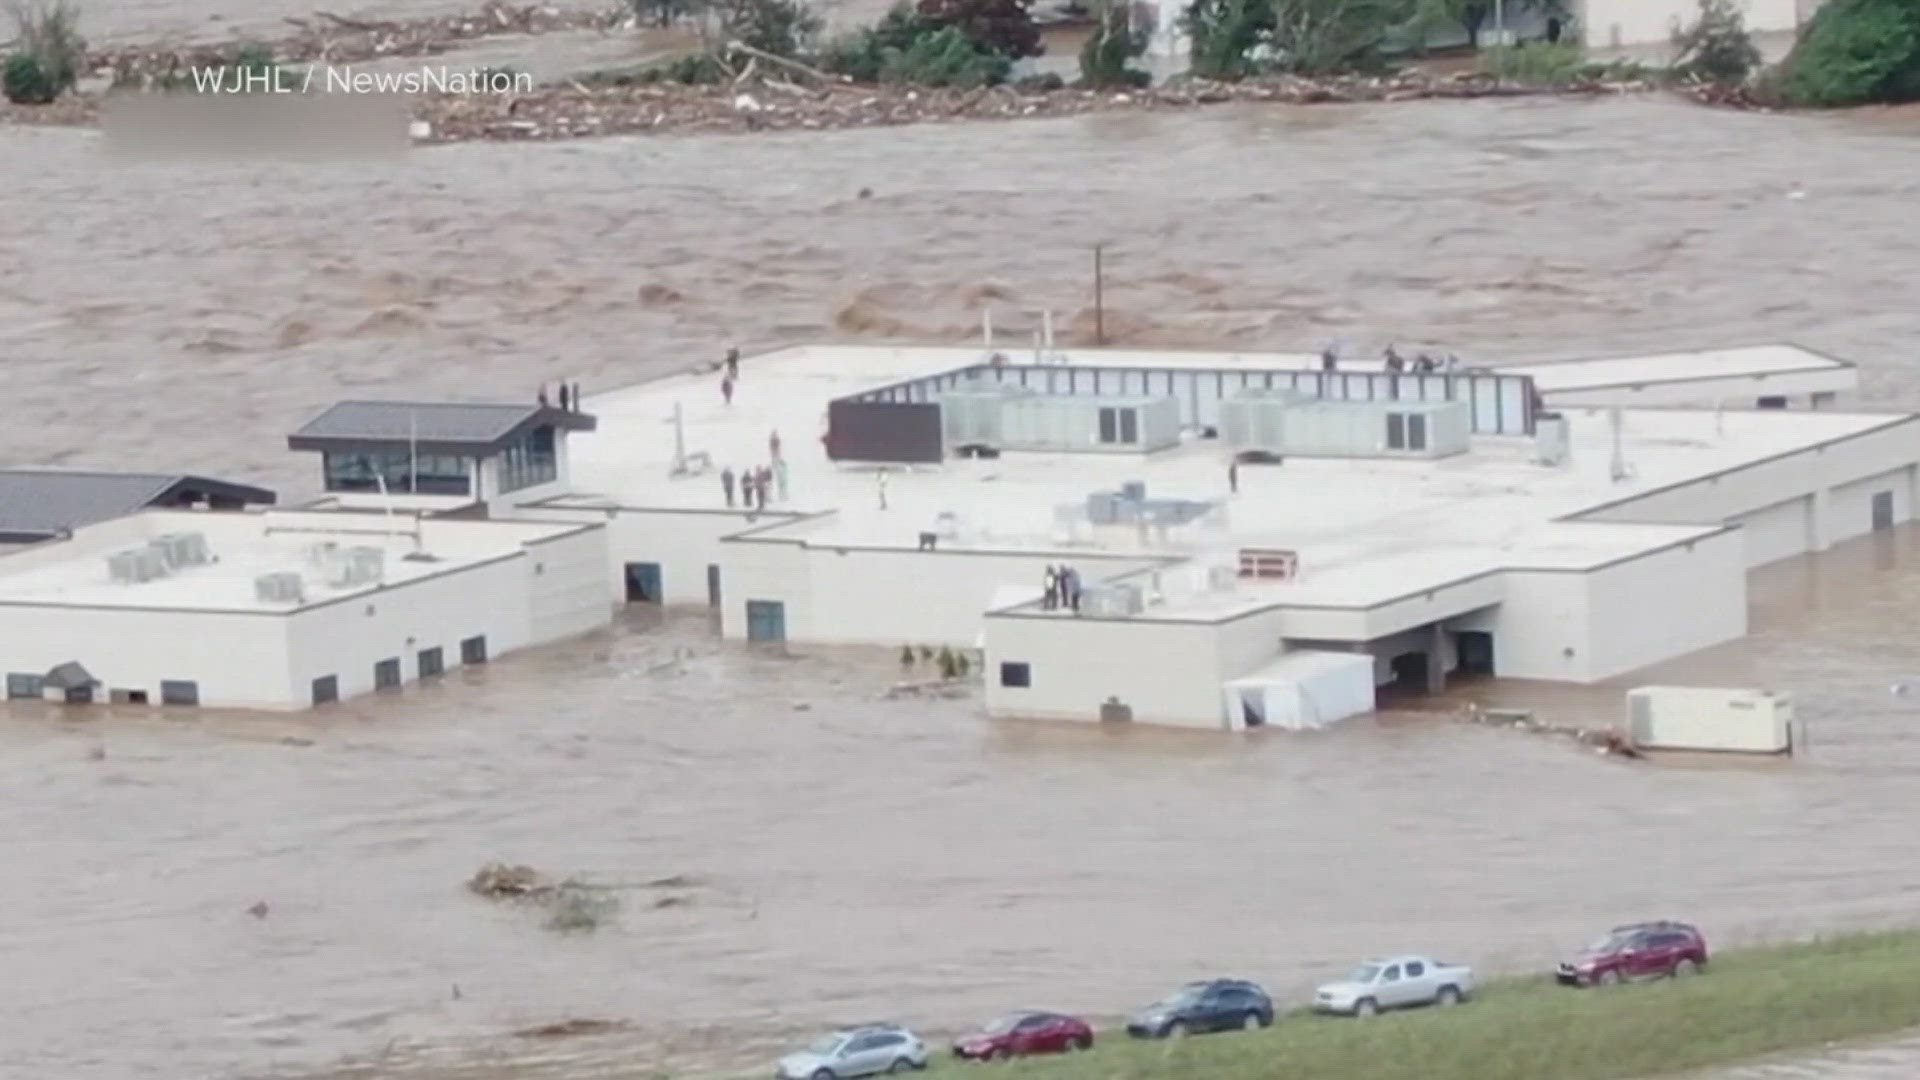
<point>1748,1002</point>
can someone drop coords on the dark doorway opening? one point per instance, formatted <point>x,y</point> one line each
<point>1409,673</point>
<point>643,583</point>
<point>1882,511</point>
<point>713,585</point>
<point>1253,708</point>
<point>1115,711</point>
<point>326,688</point>
<point>1474,649</point>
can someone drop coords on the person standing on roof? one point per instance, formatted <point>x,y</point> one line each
<point>773,446</point>
<point>1233,477</point>
<point>733,363</point>
<point>726,483</point>
<point>726,390</point>
<point>883,490</point>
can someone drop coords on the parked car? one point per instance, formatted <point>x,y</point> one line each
<point>1650,950</point>
<point>1400,982</point>
<point>856,1051</point>
<point>1213,1005</point>
<point>1021,1033</point>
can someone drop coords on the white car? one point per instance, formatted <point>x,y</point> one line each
<point>858,1051</point>
<point>1399,982</point>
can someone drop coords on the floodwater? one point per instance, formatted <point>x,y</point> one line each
<point>858,858</point>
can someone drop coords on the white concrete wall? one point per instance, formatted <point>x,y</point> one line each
<point>238,659</point>
<point>1541,630</point>
<point>1614,23</point>
<point>1169,673</point>
<point>1777,532</point>
<point>1850,506</point>
<point>773,571</point>
<point>566,585</point>
<point>348,637</point>
<point>1669,603</point>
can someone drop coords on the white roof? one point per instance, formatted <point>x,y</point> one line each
<point>74,572</point>
<point>1366,530</point>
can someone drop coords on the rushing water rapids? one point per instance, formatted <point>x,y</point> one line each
<point>861,858</point>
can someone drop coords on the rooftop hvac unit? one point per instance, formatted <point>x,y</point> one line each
<point>322,555</point>
<point>357,566</point>
<point>181,550</point>
<point>279,588</point>
<point>136,565</point>
<point>1552,444</point>
<point>1134,490</point>
<point>1115,601</point>
<point>1103,508</point>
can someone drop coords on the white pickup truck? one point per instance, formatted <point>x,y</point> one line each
<point>1398,982</point>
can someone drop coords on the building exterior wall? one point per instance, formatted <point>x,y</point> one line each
<point>767,570</point>
<point>1166,672</point>
<point>1541,629</point>
<point>1850,506</point>
<point>347,637</point>
<point>1777,532</point>
<point>566,585</point>
<point>1665,604</point>
<point>237,659</point>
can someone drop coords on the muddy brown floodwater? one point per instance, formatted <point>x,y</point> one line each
<point>860,858</point>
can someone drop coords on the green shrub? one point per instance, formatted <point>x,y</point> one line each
<point>1854,52</point>
<point>1535,63</point>
<point>26,82</point>
<point>862,54</point>
<point>1225,34</point>
<point>49,52</point>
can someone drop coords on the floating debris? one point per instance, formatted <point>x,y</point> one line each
<point>564,1028</point>
<point>1603,740</point>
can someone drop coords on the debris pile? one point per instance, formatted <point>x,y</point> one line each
<point>497,881</point>
<point>1603,740</point>
<point>565,1028</point>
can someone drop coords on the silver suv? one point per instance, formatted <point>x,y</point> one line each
<point>856,1051</point>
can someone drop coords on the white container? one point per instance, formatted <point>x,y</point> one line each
<point>1301,691</point>
<point>1694,718</point>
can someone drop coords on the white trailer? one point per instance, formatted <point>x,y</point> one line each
<point>1696,718</point>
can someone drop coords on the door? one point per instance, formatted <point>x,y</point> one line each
<point>1882,510</point>
<point>1642,959</point>
<point>766,620</point>
<point>713,585</point>
<point>1413,987</point>
<point>870,1054</point>
<point>1392,989</point>
<point>643,583</point>
<point>1473,650</point>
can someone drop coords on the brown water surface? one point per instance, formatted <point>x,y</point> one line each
<point>862,858</point>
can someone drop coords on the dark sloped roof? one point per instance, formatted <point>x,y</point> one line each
<point>69,676</point>
<point>36,504</point>
<point>433,426</point>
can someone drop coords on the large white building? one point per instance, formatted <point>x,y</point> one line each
<point>1569,521</point>
<point>285,609</point>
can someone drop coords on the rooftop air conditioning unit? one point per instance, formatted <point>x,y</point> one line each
<point>181,550</point>
<point>137,565</point>
<point>356,566</point>
<point>279,588</point>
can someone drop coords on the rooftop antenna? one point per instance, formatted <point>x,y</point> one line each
<point>986,329</point>
<point>1620,471</point>
<point>679,441</point>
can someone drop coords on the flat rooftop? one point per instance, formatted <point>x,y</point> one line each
<point>1366,530</point>
<point>74,572</point>
<point>1560,376</point>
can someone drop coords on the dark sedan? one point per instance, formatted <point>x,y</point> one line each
<point>1023,1033</point>
<point>1216,1005</point>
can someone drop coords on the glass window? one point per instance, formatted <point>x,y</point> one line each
<point>1017,675</point>
<point>1416,969</point>
<point>1129,426</point>
<point>1396,431</point>
<point>531,459</point>
<point>399,470</point>
<point>24,686</point>
<point>1392,975</point>
<point>1109,425</point>
<point>1416,433</point>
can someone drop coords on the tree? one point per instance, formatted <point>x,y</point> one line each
<point>1469,15</point>
<point>780,27</point>
<point>1855,52</point>
<point>662,12</point>
<point>1103,59</point>
<point>1716,47</point>
<point>1314,37</point>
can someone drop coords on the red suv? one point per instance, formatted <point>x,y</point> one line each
<point>1652,950</point>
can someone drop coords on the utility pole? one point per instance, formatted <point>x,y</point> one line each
<point>1499,22</point>
<point>1099,308</point>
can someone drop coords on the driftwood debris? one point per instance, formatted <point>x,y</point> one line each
<point>1603,740</point>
